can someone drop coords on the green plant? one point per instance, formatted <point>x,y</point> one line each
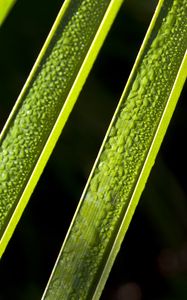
<point>143,88</point>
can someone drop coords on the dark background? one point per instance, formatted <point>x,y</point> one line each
<point>152,262</point>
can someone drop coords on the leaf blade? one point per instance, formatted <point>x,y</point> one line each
<point>106,208</point>
<point>5,7</point>
<point>46,101</point>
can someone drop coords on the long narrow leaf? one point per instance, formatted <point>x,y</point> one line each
<point>46,101</point>
<point>5,7</point>
<point>125,159</point>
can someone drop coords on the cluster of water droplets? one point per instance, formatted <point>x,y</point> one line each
<point>43,99</point>
<point>121,160</point>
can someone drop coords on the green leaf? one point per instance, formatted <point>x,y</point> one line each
<point>5,7</point>
<point>46,101</point>
<point>125,159</point>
